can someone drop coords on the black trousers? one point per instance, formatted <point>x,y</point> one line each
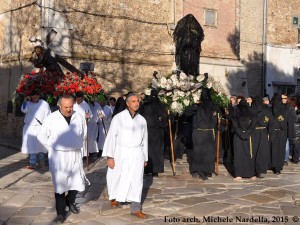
<point>62,200</point>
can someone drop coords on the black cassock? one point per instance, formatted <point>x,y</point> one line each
<point>261,144</point>
<point>156,116</point>
<point>204,137</point>
<point>244,154</point>
<point>283,127</point>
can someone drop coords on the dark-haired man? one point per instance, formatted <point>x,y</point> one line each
<point>36,111</point>
<point>126,149</point>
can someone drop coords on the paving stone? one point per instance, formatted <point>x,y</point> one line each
<point>18,200</point>
<point>177,184</point>
<point>290,210</point>
<point>7,211</point>
<point>258,198</point>
<point>89,222</point>
<point>48,222</point>
<point>20,220</point>
<point>29,211</point>
<point>204,209</point>
<point>277,193</point>
<point>192,201</point>
<point>182,190</point>
<point>114,221</point>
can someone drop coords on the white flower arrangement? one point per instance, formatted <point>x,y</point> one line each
<point>178,91</point>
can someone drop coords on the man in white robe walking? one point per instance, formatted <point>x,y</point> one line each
<point>83,108</point>
<point>36,111</point>
<point>63,134</point>
<point>105,116</point>
<point>126,149</point>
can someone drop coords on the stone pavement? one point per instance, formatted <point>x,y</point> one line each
<point>26,196</point>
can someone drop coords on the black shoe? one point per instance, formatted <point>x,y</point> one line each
<point>286,163</point>
<point>195,175</point>
<point>221,161</point>
<point>276,171</point>
<point>154,174</point>
<point>73,208</point>
<point>60,219</point>
<point>208,174</point>
<point>202,176</point>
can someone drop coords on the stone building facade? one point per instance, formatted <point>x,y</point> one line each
<point>128,40</point>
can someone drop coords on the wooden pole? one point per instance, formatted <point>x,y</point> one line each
<point>86,144</point>
<point>218,145</point>
<point>172,147</point>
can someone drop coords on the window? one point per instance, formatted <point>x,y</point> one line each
<point>210,16</point>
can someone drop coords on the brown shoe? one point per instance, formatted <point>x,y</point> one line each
<point>114,203</point>
<point>139,214</point>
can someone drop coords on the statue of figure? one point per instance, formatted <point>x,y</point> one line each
<point>42,58</point>
<point>188,36</point>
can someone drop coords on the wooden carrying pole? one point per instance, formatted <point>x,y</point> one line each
<point>86,144</point>
<point>218,145</point>
<point>172,147</point>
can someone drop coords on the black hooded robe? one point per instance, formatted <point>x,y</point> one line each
<point>244,153</point>
<point>261,142</point>
<point>156,116</point>
<point>279,135</point>
<point>204,134</point>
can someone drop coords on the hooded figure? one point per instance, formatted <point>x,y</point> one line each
<point>120,106</point>
<point>261,144</point>
<point>204,138</point>
<point>279,135</point>
<point>156,116</point>
<point>244,125</point>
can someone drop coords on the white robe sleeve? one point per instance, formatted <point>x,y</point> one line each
<point>145,144</point>
<point>44,134</point>
<point>111,139</point>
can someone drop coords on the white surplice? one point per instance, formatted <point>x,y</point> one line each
<point>127,143</point>
<point>63,142</point>
<point>82,109</point>
<point>102,130</point>
<point>36,113</point>
<point>93,128</point>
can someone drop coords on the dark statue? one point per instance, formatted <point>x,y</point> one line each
<point>188,36</point>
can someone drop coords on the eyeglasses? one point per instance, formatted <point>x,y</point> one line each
<point>283,98</point>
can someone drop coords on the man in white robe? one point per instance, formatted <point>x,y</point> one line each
<point>93,130</point>
<point>62,134</point>
<point>105,115</point>
<point>36,111</point>
<point>83,108</point>
<point>126,149</point>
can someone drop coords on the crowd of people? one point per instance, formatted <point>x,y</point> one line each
<point>132,133</point>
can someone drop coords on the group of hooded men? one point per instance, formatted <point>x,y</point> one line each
<point>253,133</point>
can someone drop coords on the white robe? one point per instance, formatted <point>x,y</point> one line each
<point>106,111</point>
<point>34,111</point>
<point>93,128</point>
<point>63,142</point>
<point>127,143</point>
<point>82,109</point>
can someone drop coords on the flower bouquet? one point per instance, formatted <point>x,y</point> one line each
<point>52,85</point>
<point>178,91</point>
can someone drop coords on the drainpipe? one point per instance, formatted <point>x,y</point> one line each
<point>264,49</point>
<point>10,52</point>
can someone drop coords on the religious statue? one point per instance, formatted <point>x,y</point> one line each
<point>188,36</point>
<point>42,58</point>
